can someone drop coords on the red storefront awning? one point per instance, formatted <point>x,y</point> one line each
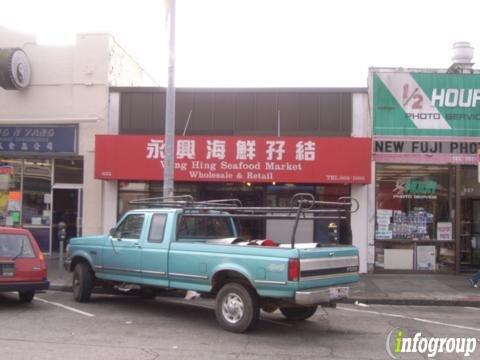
<point>236,159</point>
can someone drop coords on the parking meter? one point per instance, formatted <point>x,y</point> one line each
<point>62,231</point>
<point>332,233</point>
<point>62,235</point>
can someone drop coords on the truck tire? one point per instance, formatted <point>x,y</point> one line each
<point>26,296</point>
<point>236,308</point>
<point>82,282</point>
<point>298,313</point>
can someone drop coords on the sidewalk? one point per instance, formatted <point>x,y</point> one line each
<point>416,289</point>
<point>393,289</point>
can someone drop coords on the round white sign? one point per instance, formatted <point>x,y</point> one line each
<point>15,69</point>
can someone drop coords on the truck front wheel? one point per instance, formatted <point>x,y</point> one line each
<point>298,313</point>
<point>236,307</point>
<point>82,282</point>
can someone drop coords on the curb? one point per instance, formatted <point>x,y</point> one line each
<point>412,302</point>
<point>57,287</point>
<point>353,300</point>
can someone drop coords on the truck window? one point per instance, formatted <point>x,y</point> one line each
<point>131,226</point>
<point>157,228</point>
<point>193,228</point>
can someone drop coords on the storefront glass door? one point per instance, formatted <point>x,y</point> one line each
<point>67,209</point>
<point>469,221</point>
<point>470,235</point>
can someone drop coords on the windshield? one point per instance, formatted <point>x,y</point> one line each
<point>11,246</point>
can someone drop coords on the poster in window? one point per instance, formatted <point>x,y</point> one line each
<point>426,256</point>
<point>384,216</point>
<point>444,231</point>
<point>14,201</point>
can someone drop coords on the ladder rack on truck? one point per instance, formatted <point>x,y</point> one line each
<point>301,205</point>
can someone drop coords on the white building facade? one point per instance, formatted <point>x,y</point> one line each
<point>48,128</point>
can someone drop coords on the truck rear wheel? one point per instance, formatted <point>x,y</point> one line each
<point>298,313</point>
<point>82,282</point>
<point>236,308</point>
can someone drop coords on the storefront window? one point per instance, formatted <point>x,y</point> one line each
<point>10,192</point>
<point>37,181</point>
<point>128,191</point>
<point>68,171</point>
<point>26,195</point>
<point>134,190</point>
<point>414,227</point>
<point>253,195</point>
<point>249,195</point>
<point>281,195</point>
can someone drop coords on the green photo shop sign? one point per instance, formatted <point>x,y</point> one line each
<point>413,188</point>
<point>420,187</point>
<point>426,104</point>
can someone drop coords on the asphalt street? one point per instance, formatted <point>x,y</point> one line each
<point>54,326</point>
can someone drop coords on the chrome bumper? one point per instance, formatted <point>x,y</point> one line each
<point>321,295</point>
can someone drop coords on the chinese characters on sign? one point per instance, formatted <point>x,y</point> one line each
<point>245,150</point>
<point>236,159</point>
<point>216,150</point>
<point>38,139</point>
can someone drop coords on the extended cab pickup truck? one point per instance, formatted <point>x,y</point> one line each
<point>199,248</point>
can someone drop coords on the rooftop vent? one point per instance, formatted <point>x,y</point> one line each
<point>462,57</point>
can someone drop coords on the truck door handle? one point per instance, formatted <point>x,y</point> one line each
<point>138,246</point>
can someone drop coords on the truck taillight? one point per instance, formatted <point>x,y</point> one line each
<point>293,269</point>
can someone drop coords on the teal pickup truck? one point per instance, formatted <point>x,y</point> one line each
<point>186,245</point>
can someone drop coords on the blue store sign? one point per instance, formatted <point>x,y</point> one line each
<point>42,139</point>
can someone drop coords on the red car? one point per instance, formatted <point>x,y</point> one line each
<point>22,264</point>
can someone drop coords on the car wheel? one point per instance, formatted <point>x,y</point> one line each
<point>82,282</point>
<point>236,307</point>
<point>298,313</point>
<point>26,296</point>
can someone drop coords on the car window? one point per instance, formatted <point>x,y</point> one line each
<point>198,228</point>
<point>12,245</point>
<point>131,226</point>
<point>157,227</point>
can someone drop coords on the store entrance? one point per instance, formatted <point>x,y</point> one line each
<point>470,234</point>
<point>66,209</point>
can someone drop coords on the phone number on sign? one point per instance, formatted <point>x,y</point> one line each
<point>344,178</point>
